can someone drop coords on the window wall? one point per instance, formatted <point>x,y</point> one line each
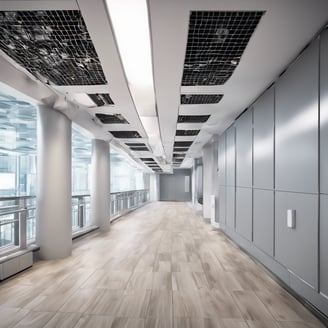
<point>18,121</point>
<point>125,175</point>
<point>81,174</point>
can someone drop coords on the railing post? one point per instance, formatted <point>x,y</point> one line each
<point>16,223</point>
<point>22,224</point>
<point>80,213</point>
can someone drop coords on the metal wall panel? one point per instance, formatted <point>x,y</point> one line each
<point>230,206</point>
<point>222,160</point>
<point>324,244</point>
<point>222,204</point>
<point>230,157</point>
<point>324,112</point>
<point>263,123</point>
<point>263,220</point>
<point>296,167</point>
<point>297,248</point>
<point>244,140</point>
<point>244,212</point>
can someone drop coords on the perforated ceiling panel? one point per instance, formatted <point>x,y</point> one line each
<point>125,134</point>
<point>193,118</point>
<point>112,119</point>
<point>200,99</point>
<point>101,99</point>
<point>187,132</point>
<point>54,45</point>
<point>216,42</point>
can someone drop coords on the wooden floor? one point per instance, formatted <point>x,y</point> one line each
<point>160,266</point>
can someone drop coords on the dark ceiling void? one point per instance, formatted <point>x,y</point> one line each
<point>216,43</point>
<point>198,99</point>
<point>52,45</point>
<point>139,148</point>
<point>101,99</point>
<point>187,132</point>
<point>112,119</point>
<point>193,118</point>
<point>147,159</point>
<point>135,144</point>
<point>125,134</point>
<point>179,149</point>
<point>182,143</point>
<point>178,155</point>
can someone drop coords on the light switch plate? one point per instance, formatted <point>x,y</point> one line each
<point>291,218</point>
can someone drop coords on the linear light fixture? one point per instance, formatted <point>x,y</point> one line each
<point>131,27</point>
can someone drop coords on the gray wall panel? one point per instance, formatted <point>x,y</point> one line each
<point>296,143</point>
<point>172,186</point>
<point>222,160</point>
<point>324,244</point>
<point>263,219</point>
<point>244,212</point>
<point>263,118</point>
<point>297,248</point>
<point>230,157</point>
<point>230,207</point>
<point>244,140</point>
<point>324,113</point>
<point>222,204</point>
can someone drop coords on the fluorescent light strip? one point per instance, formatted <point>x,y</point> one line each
<point>131,27</point>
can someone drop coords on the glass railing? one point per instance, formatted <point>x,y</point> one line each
<point>122,202</point>
<point>17,222</point>
<point>18,216</point>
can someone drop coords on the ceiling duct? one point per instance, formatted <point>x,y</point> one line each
<point>54,46</point>
<point>199,99</point>
<point>216,43</point>
<point>112,119</point>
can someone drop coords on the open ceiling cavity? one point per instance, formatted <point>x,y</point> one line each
<point>199,99</point>
<point>178,155</point>
<point>53,45</point>
<point>101,99</point>
<point>187,133</point>
<point>112,119</point>
<point>125,134</point>
<point>180,149</point>
<point>182,143</point>
<point>147,159</point>
<point>139,148</point>
<point>216,43</point>
<point>193,118</point>
<point>135,144</point>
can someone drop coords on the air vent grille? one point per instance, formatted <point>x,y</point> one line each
<point>187,132</point>
<point>112,119</point>
<point>52,44</point>
<point>192,99</point>
<point>101,99</point>
<point>193,118</point>
<point>125,134</point>
<point>216,43</point>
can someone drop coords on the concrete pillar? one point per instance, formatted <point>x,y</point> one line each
<point>54,204</point>
<point>100,184</point>
<point>154,187</point>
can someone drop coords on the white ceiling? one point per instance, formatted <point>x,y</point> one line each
<point>286,27</point>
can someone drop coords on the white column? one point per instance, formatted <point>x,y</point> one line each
<point>207,179</point>
<point>100,184</point>
<point>54,205</point>
<point>154,187</point>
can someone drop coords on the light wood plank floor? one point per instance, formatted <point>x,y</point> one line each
<point>159,266</point>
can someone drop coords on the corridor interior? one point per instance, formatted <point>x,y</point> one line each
<point>160,266</point>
